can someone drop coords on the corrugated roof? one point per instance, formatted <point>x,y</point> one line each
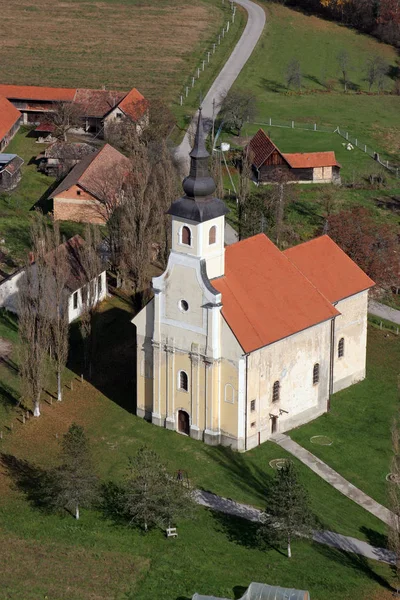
<point>329,268</point>
<point>264,295</point>
<point>302,160</point>
<point>89,171</point>
<point>9,115</point>
<point>33,92</point>
<point>261,148</point>
<point>133,105</point>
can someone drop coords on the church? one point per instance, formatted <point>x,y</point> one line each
<point>244,341</point>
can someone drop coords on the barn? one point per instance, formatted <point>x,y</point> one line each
<point>271,165</point>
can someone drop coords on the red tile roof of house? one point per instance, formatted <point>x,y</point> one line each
<point>98,103</point>
<point>133,105</point>
<point>9,115</point>
<point>329,268</point>
<point>261,147</point>
<point>33,92</point>
<point>91,171</point>
<point>302,160</point>
<point>264,295</point>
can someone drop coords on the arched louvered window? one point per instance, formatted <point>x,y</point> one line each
<point>341,348</point>
<point>183,381</point>
<point>315,374</point>
<point>276,388</point>
<point>186,236</point>
<point>212,235</point>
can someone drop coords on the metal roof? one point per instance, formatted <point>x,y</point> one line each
<point>261,591</point>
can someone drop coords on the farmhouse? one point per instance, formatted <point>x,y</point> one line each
<point>97,106</point>
<point>10,119</point>
<point>76,282</point>
<point>240,343</point>
<point>10,171</point>
<point>271,165</point>
<point>91,188</point>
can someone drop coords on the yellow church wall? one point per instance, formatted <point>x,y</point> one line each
<point>182,284</point>
<point>351,325</point>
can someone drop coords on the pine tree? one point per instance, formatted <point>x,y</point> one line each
<point>287,514</point>
<point>77,484</point>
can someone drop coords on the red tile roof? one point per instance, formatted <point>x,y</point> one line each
<point>302,160</point>
<point>329,268</point>
<point>264,295</point>
<point>98,103</point>
<point>9,115</point>
<point>33,92</point>
<point>133,105</point>
<point>261,148</point>
<point>90,172</point>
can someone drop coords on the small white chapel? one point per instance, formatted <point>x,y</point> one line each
<point>245,341</point>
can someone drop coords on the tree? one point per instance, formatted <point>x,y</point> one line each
<point>343,60</point>
<point>287,514</point>
<point>152,496</point>
<point>76,482</point>
<point>65,116</point>
<point>245,175</point>
<point>394,500</point>
<point>237,107</point>
<point>328,200</point>
<point>373,246</point>
<point>34,324</point>
<point>293,74</point>
<point>376,71</point>
<point>91,265</point>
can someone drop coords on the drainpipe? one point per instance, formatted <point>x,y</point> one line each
<point>332,358</point>
<point>245,408</point>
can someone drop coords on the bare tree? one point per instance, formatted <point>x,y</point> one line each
<point>328,200</point>
<point>279,196</point>
<point>237,107</point>
<point>343,60</point>
<point>293,74</point>
<point>376,71</point>
<point>91,265</point>
<point>65,116</point>
<point>245,174</point>
<point>34,327</point>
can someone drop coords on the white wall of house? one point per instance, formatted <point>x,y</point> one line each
<point>9,289</point>
<point>75,303</point>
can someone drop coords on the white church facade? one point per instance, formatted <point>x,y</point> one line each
<point>242,342</point>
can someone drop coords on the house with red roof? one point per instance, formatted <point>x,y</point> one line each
<point>243,342</point>
<point>271,165</point>
<point>97,106</point>
<point>92,188</point>
<point>10,120</point>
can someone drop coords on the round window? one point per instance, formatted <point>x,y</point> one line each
<point>183,305</point>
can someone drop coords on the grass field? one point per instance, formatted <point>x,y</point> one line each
<point>375,119</point>
<point>121,44</point>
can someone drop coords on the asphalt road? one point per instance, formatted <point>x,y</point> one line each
<point>228,74</point>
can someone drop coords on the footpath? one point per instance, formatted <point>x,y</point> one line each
<point>384,312</point>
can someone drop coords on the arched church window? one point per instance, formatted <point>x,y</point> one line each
<point>183,381</point>
<point>186,236</point>
<point>276,389</point>
<point>212,235</point>
<point>341,348</point>
<point>315,374</point>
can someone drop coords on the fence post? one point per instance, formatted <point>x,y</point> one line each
<point>198,72</point>
<point>219,40</point>
<point>213,48</point>
<point>223,32</point>
<point>203,64</point>
<point>208,57</point>
<point>347,135</point>
<point>292,124</point>
<point>227,27</point>
<point>315,127</point>
<point>387,164</point>
<point>187,91</point>
<point>233,17</point>
<point>181,99</point>
<point>192,81</point>
<point>356,142</point>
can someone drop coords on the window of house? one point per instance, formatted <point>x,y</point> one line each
<point>341,348</point>
<point>186,236</point>
<point>253,405</point>
<point>75,300</point>
<point>315,374</point>
<point>118,115</point>
<point>253,424</point>
<point>212,235</point>
<point>78,192</point>
<point>183,305</point>
<point>100,284</point>
<point>183,381</point>
<point>276,391</point>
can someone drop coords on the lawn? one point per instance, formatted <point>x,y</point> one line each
<point>360,420</point>
<point>374,119</point>
<point>212,554</point>
<point>120,44</point>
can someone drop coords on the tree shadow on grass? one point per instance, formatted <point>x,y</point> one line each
<point>9,397</point>
<point>36,483</point>
<point>248,476</point>
<point>376,539</point>
<point>347,557</point>
<point>273,86</point>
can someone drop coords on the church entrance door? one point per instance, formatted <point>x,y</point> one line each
<point>274,424</point>
<point>183,422</point>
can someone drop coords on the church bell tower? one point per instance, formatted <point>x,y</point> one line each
<point>198,218</point>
